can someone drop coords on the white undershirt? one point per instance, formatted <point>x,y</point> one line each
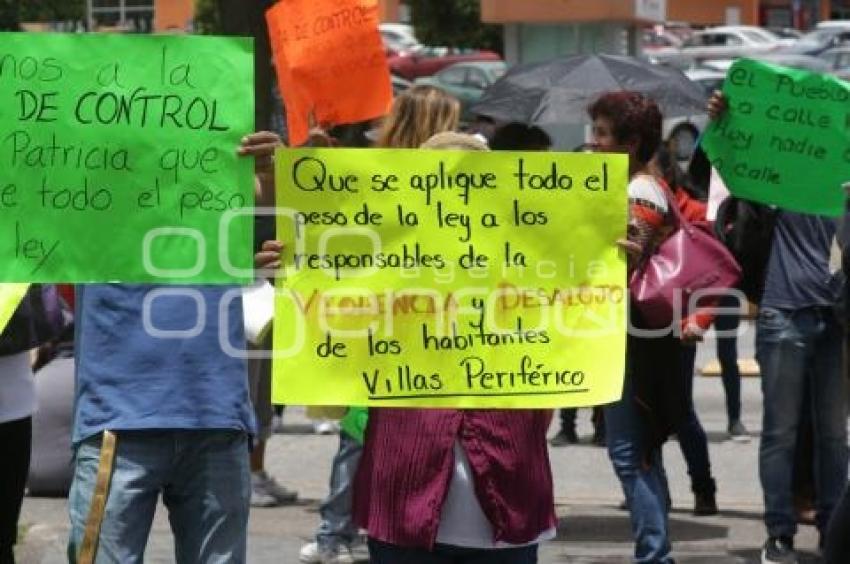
<point>462,520</point>
<point>17,387</point>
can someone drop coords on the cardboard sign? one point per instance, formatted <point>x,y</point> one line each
<point>10,297</point>
<point>785,139</point>
<point>119,158</point>
<point>450,278</point>
<point>330,62</point>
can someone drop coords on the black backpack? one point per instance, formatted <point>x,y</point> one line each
<point>746,228</point>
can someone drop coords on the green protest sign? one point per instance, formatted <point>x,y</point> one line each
<point>118,158</point>
<point>785,139</point>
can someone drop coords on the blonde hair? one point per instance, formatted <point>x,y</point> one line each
<point>455,141</point>
<point>417,114</point>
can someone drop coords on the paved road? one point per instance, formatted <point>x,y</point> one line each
<point>591,529</point>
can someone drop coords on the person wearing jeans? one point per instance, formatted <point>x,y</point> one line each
<point>726,324</point>
<point>800,341</point>
<point>163,407</point>
<point>641,475</point>
<point>694,442</point>
<point>204,480</point>
<point>181,414</point>
<point>793,346</point>
<point>337,531</point>
<point>652,405</point>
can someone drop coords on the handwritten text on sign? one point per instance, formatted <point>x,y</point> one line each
<point>449,278</point>
<point>330,61</point>
<point>785,139</point>
<point>119,158</point>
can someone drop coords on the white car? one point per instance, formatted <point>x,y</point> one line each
<point>832,24</point>
<point>725,42</point>
<point>399,37</point>
<point>708,77</point>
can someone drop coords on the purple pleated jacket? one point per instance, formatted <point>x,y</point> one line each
<point>407,466</point>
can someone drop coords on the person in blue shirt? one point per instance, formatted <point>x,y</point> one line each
<point>800,341</point>
<point>159,384</point>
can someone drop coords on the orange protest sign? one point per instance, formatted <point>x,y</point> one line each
<point>330,62</point>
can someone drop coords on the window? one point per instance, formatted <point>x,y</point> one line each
<point>453,76</point>
<point>729,40</point>
<point>756,37</point>
<point>698,40</point>
<point>476,79</point>
<point>126,15</point>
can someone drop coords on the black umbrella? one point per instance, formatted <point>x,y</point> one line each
<point>557,92</point>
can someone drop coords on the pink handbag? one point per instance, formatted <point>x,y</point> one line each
<point>691,259</point>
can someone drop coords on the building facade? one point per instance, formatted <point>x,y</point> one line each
<point>540,29</point>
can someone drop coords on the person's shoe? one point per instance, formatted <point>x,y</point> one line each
<point>325,427</point>
<point>564,438</point>
<point>599,439</point>
<point>313,554</point>
<point>266,492</point>
<point>704,504</point>
<point>263,483</point>
<point>260,497</point>
<point>778,550</point>
<point>738,433</point>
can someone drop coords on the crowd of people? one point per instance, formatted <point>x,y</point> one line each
<point>181,419</point>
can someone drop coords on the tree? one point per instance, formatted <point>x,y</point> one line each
<point>52,10</point>
<point>10,15</point>
<point>207,17</point>
<point>13,12</point>
<point>454,23</point>
<point>247,18</point>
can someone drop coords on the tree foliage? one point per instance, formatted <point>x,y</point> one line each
<point>454,23</point>
<point>52,10</point>
<point>207,17</point>
<point>13,12</point>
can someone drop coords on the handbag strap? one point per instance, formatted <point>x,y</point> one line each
<point>679,220</point>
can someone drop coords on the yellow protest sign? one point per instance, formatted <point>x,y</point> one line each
<point>450,278</point>
<point>10,296</point>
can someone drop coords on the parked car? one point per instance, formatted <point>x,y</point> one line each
<point>466,81</point>
<point>399,84</point>
<point>654,40</point>
<point>792,60</point>
<point>724,42</point>
<point>398,38</point>
<point>837,58</point>
<point>786,32</point>
<point>819,40</point>
<point>830,24</point>
<point>708,77</point>
<point>430,60</point>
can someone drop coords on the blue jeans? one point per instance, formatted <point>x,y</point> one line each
<point>791,347</point>
<point>644,485</point>
<point>727,354</point>
<point>385,553</point>
<point>691,435</point>
<point>337,526</point>
<point>205,483</point>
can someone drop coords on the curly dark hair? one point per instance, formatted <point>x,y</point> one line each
<point>634,118</point>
